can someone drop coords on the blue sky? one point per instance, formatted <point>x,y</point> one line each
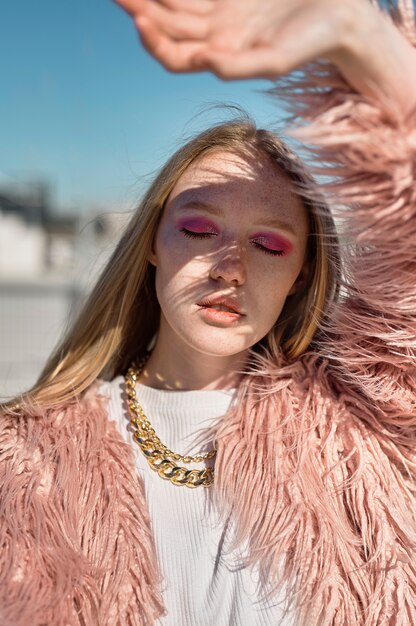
<point>83,104</point>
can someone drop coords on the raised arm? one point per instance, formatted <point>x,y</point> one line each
<point>237,39</point>
<point>354,102</point>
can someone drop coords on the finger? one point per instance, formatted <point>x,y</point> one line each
<point>196,7</point>
<point>175,56</point>
<point>253,63</point>
<point>175,24</point>
<point>132,7</point>
<point>286,52</point>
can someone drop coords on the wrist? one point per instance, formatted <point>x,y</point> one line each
<point>367,33</point>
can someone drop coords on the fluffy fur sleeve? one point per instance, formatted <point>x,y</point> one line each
<point>76,546</point>
<point>366,154</point>
<point>327,515</point>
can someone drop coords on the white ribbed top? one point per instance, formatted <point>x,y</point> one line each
<point>204,585</point>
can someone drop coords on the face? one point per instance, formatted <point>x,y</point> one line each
<point>229,250</point>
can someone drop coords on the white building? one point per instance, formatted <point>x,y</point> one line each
<point>45,269</point>
<point>22,248</point>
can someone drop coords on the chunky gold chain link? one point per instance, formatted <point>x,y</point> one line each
<point>158,455</point>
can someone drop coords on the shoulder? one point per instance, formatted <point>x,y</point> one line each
<point>38,433</point>
<point>113,394</point>
<point>71,505</point>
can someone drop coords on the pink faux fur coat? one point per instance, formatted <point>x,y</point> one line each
<point>318,465</point>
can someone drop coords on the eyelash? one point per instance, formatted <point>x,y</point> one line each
<point>268,250</point>
<point>259,246</point>
<point>192,235</point>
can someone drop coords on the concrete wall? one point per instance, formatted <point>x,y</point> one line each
<point>32,318</point>
<point>41,284</point>
<point>22,248</point>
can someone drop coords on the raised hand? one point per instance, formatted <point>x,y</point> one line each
<point>238,37</point>
<point>267,38</point>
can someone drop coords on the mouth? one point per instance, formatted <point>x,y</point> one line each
<point>226,305</point>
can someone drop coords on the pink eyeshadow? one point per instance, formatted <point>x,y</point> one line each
<point>197,225</point>
<point>273,242</point>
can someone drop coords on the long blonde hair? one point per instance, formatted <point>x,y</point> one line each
<point>121,315</point>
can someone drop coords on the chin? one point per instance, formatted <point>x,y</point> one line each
<point>217,346</point>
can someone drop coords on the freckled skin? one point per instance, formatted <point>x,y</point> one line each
<point>246,192</point>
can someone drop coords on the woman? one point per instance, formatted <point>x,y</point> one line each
<point>224,329</point>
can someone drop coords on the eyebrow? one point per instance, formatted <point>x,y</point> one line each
<point>209,208</point>
<point>199,204</point>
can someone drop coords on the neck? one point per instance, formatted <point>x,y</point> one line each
<point>179,369</point>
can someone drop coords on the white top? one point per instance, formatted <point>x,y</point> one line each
<point>204,585</point>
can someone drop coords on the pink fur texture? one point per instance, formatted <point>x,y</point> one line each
<point>316,463</point>
<point>76,545</point>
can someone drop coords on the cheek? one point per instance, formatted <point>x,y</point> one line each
<point>168,258</point>
<point>276,274</point>
<point>177,258</point>
<point>178,271</point>
<point>275,283</point>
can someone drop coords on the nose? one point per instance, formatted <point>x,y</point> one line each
<point>229,267</point>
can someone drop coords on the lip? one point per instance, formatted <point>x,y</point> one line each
<point>227,301</point>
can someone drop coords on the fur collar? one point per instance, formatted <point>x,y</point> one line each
<point>312,489</point>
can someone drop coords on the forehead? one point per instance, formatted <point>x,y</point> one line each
<point>225,178</point>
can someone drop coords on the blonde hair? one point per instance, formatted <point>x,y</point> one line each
<point>121,314</point>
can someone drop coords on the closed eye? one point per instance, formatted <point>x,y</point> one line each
<point>192,235</point>
<point>258,245</point>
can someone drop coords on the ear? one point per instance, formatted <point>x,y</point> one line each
<point>152,258</point>
<point>300,281</point>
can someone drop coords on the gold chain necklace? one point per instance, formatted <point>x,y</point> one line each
<point>158,455</point>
